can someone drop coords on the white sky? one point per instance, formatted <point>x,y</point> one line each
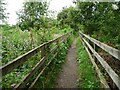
<point>15,5</point>
<point>12,7</point>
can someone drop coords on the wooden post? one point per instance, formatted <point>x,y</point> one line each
<point>43,51</point>
<point>94,53</point>
<point>67,36</point>
<point>57,43</point>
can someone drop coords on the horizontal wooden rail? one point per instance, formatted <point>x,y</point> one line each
<point>31,86</point>
<point>37,67</point>
<point>101,77</point>
<point>23,58</point>
<point>34,82</point>
<point>112,51</point>
<point>109,70</point>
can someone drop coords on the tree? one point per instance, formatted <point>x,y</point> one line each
<point>101,20</point>
<point>32,15</point>
<point>68,17</point>
<point>3,14</point>
<point>98,19</point>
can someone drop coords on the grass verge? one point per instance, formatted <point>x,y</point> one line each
<point>88,78</point>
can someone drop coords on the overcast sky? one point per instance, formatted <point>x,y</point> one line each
<point>15,5</point>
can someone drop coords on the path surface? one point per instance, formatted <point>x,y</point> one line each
<point>68,75</point>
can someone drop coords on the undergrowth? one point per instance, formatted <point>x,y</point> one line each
<point>49,78</point>
<point>15,43</point>
<point>88,78</point>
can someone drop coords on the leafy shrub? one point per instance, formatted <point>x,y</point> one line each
<point>15,43</point>
<point>48,79</point>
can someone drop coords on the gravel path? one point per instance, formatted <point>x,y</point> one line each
<point>68,76</point>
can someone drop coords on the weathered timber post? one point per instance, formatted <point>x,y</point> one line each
<point>94,52</point>
<point>43,51</point>
<point>57,43</point>
<point>67,37</point>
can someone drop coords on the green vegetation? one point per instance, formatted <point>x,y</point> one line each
<point>100,20</point>
<point>34,27</point>
<point>33,15</point>
<point>88,78</point>
<point>48,79</point>
<point>19,43</point>
<point>30,32</point>
<point>3,14</point>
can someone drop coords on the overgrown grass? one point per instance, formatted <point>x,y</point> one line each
<point>88,78</point>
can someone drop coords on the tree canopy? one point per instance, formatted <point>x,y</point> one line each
<point>32,15</point>
<point>96,18</point>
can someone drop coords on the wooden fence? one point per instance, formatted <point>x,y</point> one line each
<point>91,49</point>
<point>44,55</point>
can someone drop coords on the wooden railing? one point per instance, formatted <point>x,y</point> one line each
<point>23,58</point>
<point>91,49</point>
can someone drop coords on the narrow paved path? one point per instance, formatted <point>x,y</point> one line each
<point>68,75</point>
